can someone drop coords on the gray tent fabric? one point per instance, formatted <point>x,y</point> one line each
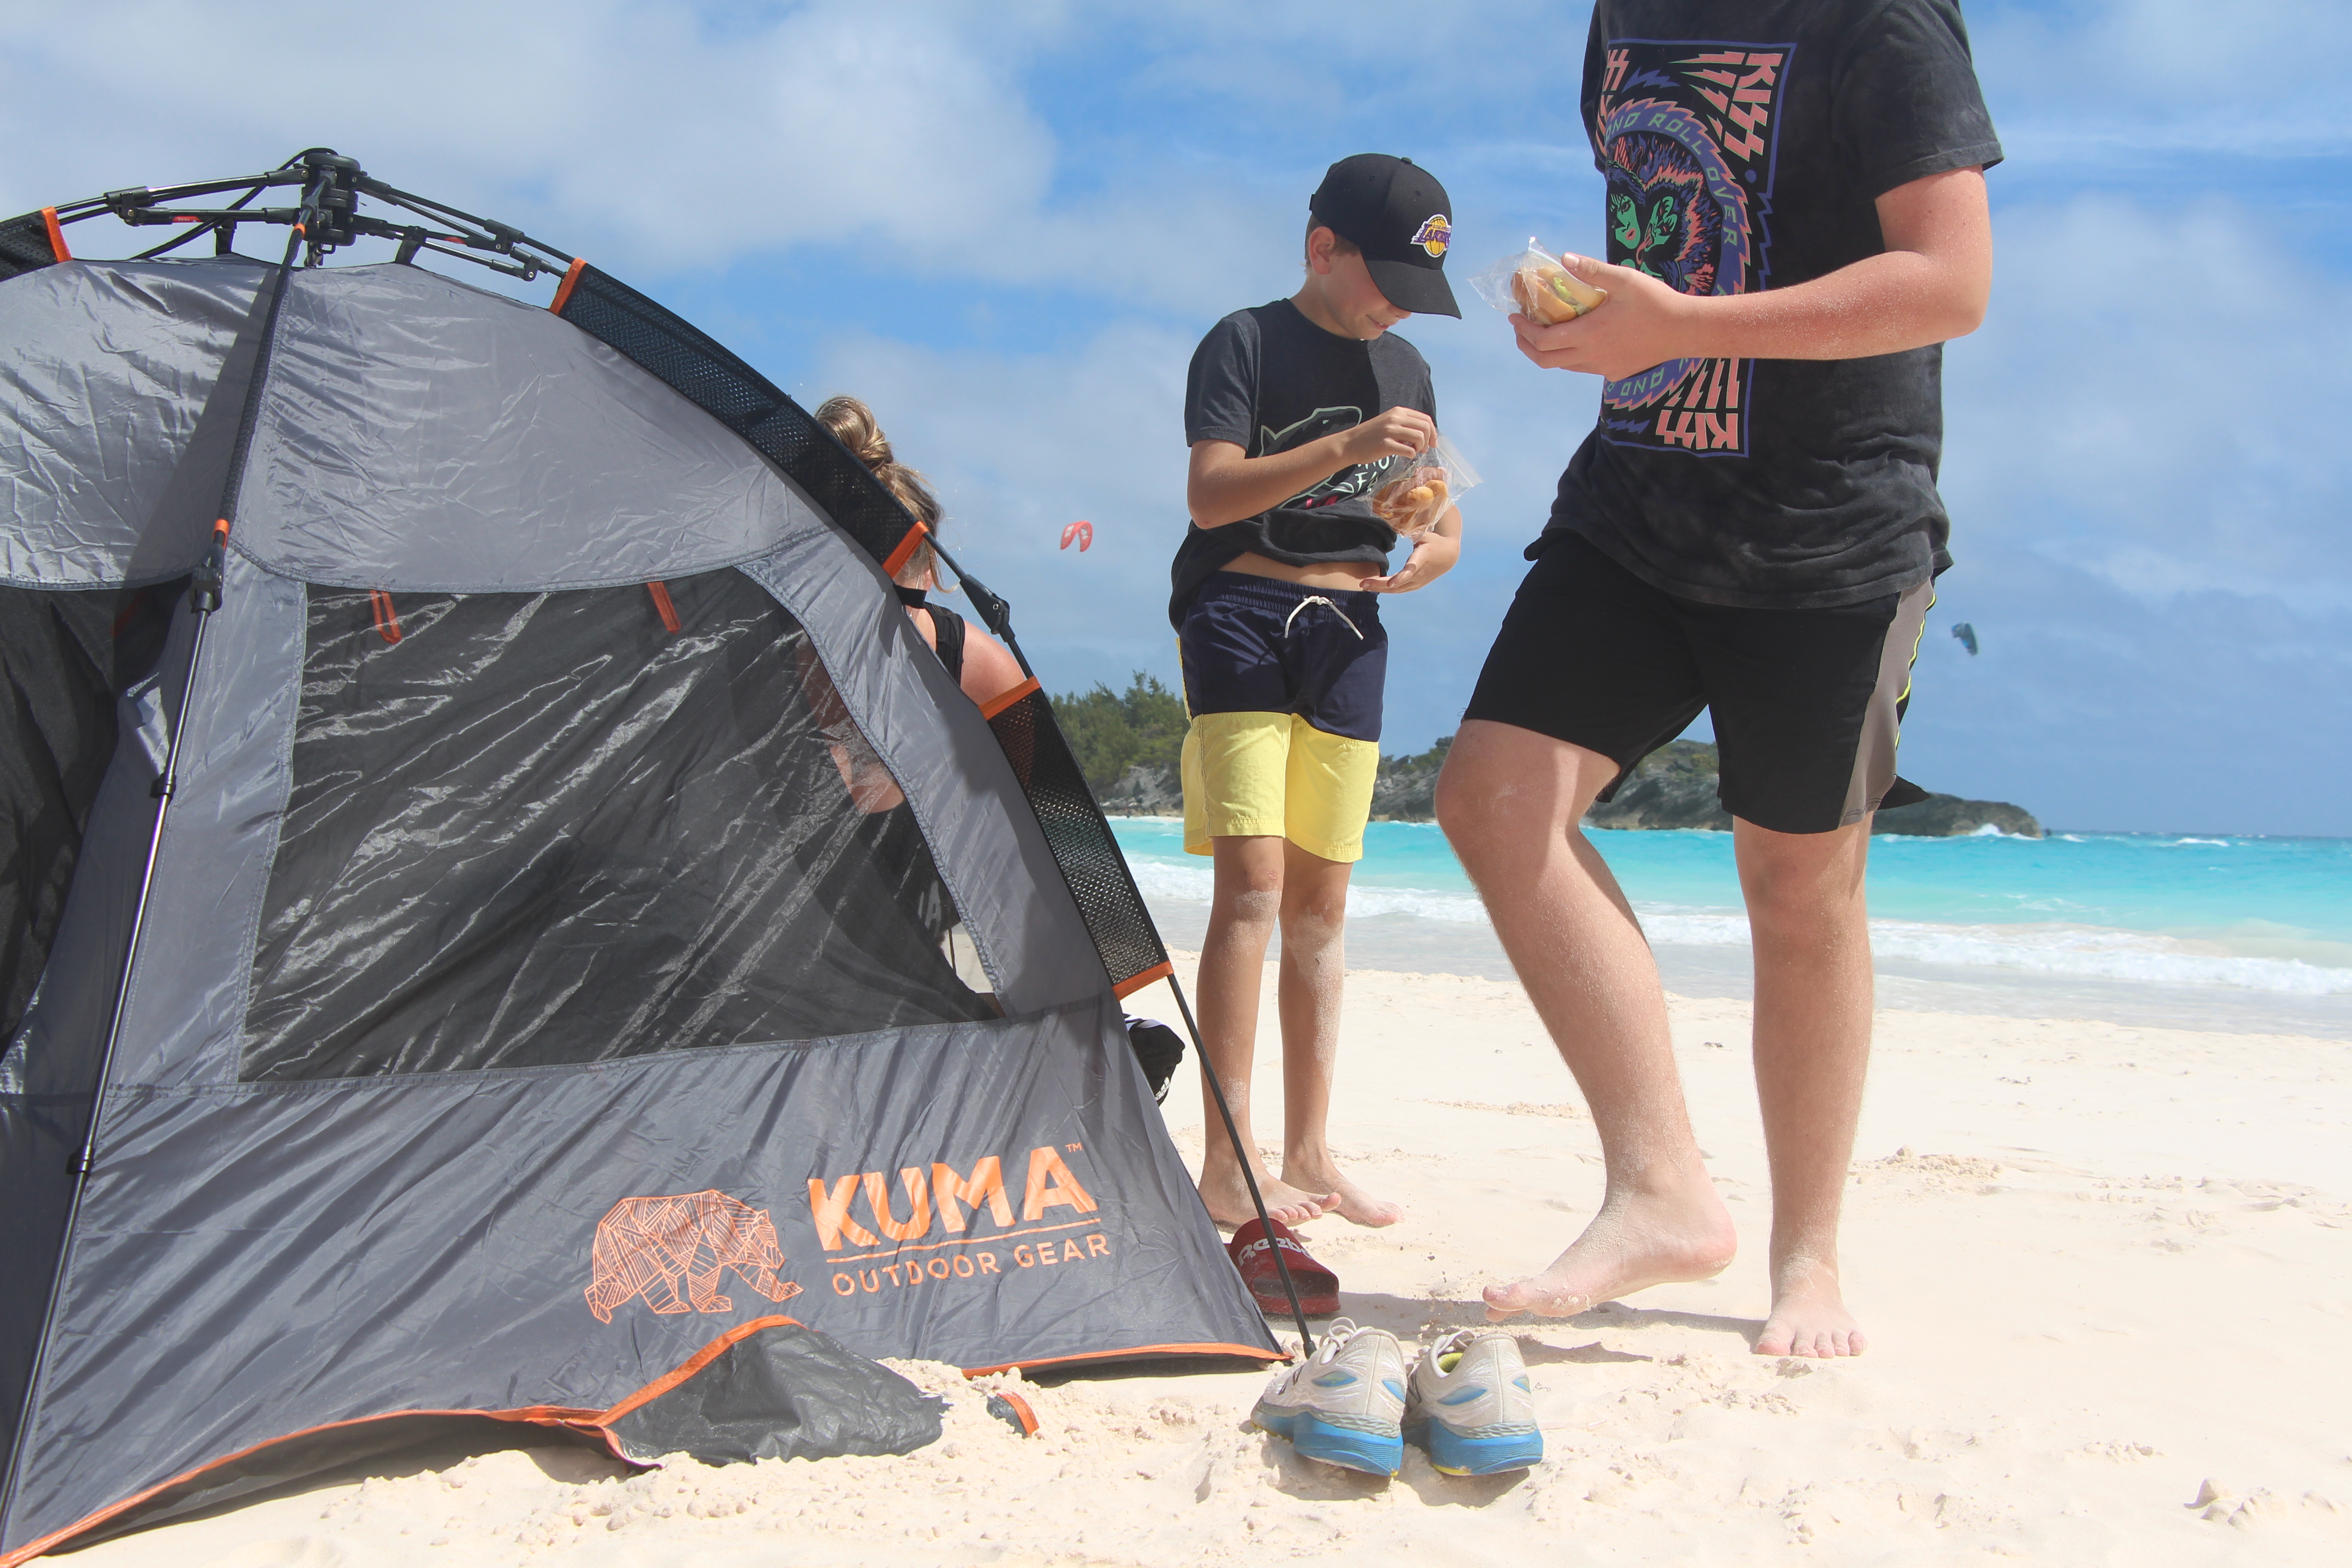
<point>492,1179</point>
<point>542,460</point>
<point>123,382</point>
<point>783,1393</point>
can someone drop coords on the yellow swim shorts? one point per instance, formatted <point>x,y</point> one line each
<point>1275,773</point>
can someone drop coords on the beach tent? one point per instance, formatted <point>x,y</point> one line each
<point>585,923</point>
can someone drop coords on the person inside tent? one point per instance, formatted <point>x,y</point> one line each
<point>981,665</point>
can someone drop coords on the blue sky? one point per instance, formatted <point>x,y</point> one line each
<point>1006,226</point>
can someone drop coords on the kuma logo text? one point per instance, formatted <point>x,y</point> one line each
<point>945,1222</point>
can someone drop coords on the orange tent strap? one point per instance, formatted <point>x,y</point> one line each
<point>387,619</point>
<point>56,234</point>
<point>563,289</point>
<point>906,550</point>
<point>1007,697</point>
<point>1019,1409</point>
<point>664,607</point>
<point>1135,983</point>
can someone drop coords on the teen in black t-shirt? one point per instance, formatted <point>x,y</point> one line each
<point>1796,221</point>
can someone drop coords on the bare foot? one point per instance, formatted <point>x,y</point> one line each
<point>1634,1243</point>
<point>1355,1204</point>
<point>1809,1316</point>
<point>1228,1200</point>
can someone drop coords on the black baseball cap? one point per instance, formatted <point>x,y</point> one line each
<point>1398,216</point>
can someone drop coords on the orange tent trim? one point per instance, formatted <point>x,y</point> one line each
<point>563,289</point>
<point>1007,697</point>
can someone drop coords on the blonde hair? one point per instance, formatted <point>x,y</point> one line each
<point>853,425</point>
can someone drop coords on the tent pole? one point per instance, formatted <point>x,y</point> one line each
<point>1232,1133</point>
<point>994,613</point>
<point>204,599</point>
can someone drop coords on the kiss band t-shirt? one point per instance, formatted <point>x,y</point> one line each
<point>1267,379</point>
<point>1744,144</point>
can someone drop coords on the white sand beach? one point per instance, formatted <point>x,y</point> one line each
<point>2107,1271</point>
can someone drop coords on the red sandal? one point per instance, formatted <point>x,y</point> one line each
<point>1318,1288</point>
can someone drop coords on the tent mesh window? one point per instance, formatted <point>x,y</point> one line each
<point>535,828</point>
<point>24,245</point>
<point>722,385</point>
<point>65,658</point>
<point>1080,839</point>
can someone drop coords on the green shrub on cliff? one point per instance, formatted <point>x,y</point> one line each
<point>1111,733</point>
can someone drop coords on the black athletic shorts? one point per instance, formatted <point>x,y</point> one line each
<point>1807,704</point>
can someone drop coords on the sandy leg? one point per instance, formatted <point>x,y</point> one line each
<point>1247,902</point>
<point>1353,1202</point>
<point>1314,965</point>
<point>1637,1240</point>
<point>1810,924</point>
<point>1809,1316</point>
<point>1227,1199</point>
<point>1512,803</point>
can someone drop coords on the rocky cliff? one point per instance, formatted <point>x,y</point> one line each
<point>1143,791</point>
<point>1673,787</point>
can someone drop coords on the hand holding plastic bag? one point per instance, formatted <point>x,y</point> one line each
<point>1537,285</point>
<point>1413,499</point>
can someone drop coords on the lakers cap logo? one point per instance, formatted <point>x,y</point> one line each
<point>1432,234</point>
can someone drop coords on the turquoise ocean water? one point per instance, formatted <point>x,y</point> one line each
<point>2245,932</point>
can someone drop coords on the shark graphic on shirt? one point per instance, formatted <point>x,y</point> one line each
<point>1357,478</point>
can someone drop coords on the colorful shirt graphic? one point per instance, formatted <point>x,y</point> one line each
<point>1686,133</point>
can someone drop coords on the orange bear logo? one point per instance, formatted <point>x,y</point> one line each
<point>646,1246</point>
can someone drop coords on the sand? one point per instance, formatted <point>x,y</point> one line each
<point>2107,1271</point>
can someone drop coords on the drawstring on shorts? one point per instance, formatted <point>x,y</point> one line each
<point>1319,599</point>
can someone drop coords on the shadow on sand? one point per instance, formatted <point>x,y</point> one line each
<point>1410,1318</point>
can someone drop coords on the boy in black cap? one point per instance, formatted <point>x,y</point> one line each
<point>1295,412</point>
<point>1796,220</point>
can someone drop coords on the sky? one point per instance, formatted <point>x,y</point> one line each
<point>1005,225</point>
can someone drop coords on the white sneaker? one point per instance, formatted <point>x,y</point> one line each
<point>1342,1405</point>
<point>1471,1407</point>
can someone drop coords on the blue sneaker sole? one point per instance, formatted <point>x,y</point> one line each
<point>1451,1453</point>
<point>1349,1450</point>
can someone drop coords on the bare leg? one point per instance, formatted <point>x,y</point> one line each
<point>1811,921</point>
<point>1314,964</point>
<point>1242,915</point>
<point>1512,803</point>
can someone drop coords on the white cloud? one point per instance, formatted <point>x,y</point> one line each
<point>627,122</point>
<point>2147,404</point>
<point>633,130</point>
<point>2138,81</point>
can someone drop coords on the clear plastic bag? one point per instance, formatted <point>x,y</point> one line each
<point>1536,285</point>
<point>1413,497</point>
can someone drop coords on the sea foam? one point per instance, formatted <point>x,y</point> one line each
<point>2048,948</point>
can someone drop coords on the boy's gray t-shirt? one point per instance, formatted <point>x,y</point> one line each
<point>1267,379</point>
<point>1744,144</point>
